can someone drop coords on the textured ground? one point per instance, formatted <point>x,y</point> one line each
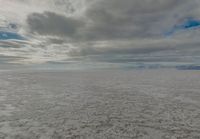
<point>157,104</point>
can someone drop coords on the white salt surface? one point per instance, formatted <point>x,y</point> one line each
<point>148,104</point>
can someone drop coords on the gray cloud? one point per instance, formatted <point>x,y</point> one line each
<point>49,23</point>
<point>113,19</point>
<point>128,19</point>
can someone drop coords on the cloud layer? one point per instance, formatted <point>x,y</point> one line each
<point>61,30</point>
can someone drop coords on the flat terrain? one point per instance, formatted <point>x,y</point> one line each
<point>148,104</point>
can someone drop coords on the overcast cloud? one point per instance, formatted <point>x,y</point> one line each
<point>61,30</point>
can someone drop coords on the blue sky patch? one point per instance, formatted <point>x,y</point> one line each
<point>190,24</point>
<point>187,24</point>
<point>10,35</point>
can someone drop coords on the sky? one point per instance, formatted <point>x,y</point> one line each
<point>113,32</point>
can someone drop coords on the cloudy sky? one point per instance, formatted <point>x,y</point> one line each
<point>106,31</point>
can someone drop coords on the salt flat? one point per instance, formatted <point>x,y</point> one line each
<point>115,104</point>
